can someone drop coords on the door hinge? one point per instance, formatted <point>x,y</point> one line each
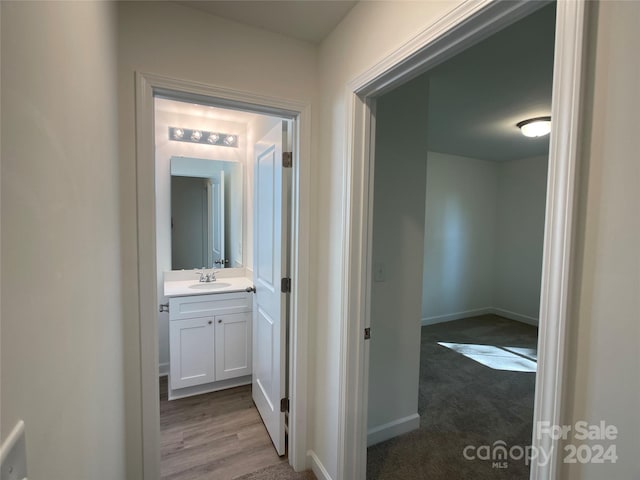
<point>285,285</point>
<point>287,159</point>
<point>164,307</point>
<point>367,333</point>
<point>284,404</point>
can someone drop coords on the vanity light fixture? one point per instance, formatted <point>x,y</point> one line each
<point>191,135</point>
<point>535,127</point>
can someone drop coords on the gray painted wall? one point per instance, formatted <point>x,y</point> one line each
<point>521,201</point>
<point>460,233</point>
<point>484,232</point>
<point>398,231</point>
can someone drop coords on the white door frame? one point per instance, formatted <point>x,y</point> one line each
<point>146,85</point>
<point>464,26</point>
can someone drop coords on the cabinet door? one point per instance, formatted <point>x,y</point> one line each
<point>233,345</point>
<point>191,343</point>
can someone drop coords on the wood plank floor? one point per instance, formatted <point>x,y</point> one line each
<point>213,436</point>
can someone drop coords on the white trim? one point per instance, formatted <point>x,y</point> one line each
<point>207,388</point>
<point>317,467</point>
<point>455,316</point>
<point>464,26</point>
<point>557,258</point>
<point>300,112</point>
<point>518,317</point>
<point>392,429</point>
<point>163,369</point>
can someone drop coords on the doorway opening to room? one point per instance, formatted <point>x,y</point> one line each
<point>223,369</point>
<point>452,35</point>
<point>223,211</point>
<point>460,194</point>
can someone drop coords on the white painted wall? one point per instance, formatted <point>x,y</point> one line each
<point>398,239</point>
<point>62,324</point>
<point>460,237</point>
<point>367,34</point>
<point>157,37</point>
<point>521,201</point>
<point>602,378</point>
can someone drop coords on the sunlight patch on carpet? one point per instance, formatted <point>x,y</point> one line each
<point>514,359</point>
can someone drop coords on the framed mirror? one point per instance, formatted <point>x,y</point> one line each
<point>206,213</point>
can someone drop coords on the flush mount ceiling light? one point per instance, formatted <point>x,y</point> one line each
<point>535,127</point>
<point>202,137</point>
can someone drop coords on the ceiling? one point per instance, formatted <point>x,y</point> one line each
<point>477,97</point>
<point>308,20</point>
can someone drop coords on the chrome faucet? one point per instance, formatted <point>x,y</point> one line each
<point>207,277</point>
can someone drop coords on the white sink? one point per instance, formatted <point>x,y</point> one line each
<point>210,286</point>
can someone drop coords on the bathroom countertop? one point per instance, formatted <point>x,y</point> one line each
<point>181,288</point>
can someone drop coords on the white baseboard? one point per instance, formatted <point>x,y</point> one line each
<point>207,387</point>
<point>455,316</point>
<point>163,369</point>
<point>317,467</point>
<point>393,429</point>
<point>516,316</point>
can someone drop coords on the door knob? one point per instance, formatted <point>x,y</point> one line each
<point>210,322</point>
<point>220,320</point>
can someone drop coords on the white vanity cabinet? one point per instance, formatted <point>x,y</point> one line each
<point>209,342</point>
<point>191,348</point>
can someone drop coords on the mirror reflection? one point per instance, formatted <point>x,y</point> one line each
<point>206,213</point>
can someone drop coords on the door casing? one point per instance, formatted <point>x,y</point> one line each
<point>464,26</point>
<point>147,85</point>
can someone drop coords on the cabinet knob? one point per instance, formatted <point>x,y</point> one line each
<point>210,322</point>
<point>219,320</point>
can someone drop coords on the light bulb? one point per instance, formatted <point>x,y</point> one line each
<point>230,139</point>
<point>535,127</point>
<point>213,138</point>
<point>178,133</point>
<point>196,135</point>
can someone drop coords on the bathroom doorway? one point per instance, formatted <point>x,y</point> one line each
<point>221,358</point>
<point>221,232</point>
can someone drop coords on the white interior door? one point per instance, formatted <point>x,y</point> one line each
<point>217,219</point>
<point>269,267</point>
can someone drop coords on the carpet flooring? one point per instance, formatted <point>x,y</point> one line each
<point>463,402</point>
